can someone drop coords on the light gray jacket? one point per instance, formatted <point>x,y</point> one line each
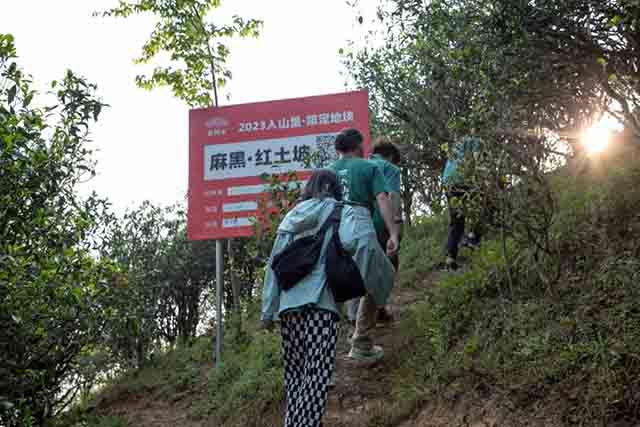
<point>357,236</point>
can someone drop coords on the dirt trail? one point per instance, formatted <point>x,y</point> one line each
<point>355,400</point>
<point>151,408</point>
<point>360,392</point>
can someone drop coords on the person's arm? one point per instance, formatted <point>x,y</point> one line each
<point>386,211</point>
<point>394,185</point>
<point>380,190</point>
<point>396,206</point>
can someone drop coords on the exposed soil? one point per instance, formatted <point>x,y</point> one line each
<point>361,397</point>
<point>358,396</point>
<point>361,392</point>
<point>148,409</point>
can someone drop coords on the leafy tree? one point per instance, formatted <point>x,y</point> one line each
<point>160,297</point>
<point>135,242</point>
<point>417,90</point>
<point>583,50</point>
<point>198,55</point>
<point>51,284</point>
<point>188,274</point>
<point>451,69</point>
<point>196,47</point>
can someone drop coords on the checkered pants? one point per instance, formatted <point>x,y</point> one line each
<point>309,343</point>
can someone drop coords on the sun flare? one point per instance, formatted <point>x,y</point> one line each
<point>596,139</point>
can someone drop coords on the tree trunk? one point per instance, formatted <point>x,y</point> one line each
<point>406,194</point>
<point>407,204</point>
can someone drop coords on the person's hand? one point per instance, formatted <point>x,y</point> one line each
<point>392,245</point>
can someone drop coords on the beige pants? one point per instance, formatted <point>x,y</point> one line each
<point>365,323</point>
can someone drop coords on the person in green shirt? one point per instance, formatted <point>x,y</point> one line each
<point>363,186</point>
<point>387,157</point>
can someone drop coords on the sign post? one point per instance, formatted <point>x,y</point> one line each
<point>219,297</point>
<point>232,148</point>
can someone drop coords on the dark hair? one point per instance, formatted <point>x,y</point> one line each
<point>348,140</point>
<point>322,184</point>
<point>387,149</point>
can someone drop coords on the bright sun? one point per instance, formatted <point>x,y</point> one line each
<point>596,138</point>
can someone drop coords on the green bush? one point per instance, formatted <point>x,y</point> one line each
<point>499,328</point>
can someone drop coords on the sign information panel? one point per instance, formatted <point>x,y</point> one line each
<point>231,148</point>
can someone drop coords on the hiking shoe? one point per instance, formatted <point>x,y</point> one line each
<point>450,265</point>
<point>384,316</point>
<point>471,241</point>
<point>375,354</point>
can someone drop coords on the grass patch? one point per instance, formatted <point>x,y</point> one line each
<point>576,342</point>
<point>167,375</point>
<point>422,249</point>
<point>245,389</point>
<point>247,385</point>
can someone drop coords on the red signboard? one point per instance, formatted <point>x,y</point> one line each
<point>232,147</point>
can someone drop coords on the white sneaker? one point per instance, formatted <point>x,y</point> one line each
<point>375,354</point>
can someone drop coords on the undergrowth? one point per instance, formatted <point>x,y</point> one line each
<point>245,388</point>
<point>576,340</point>
<point>493,330</point>
<point>248,384</point>
<point>421,249</point>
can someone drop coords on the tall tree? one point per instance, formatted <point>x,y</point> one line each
<point>196,46</point>
<point>517,74</point>
<point>198,52</point>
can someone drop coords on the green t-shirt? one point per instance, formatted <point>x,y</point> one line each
<point>361,180</point>
<point>391,175</point>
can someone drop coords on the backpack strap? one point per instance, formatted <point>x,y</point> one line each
<point>335,218</point>
<point>336,215</point>
<point>332,218</point>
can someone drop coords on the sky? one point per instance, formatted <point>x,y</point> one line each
<point>141,140</point>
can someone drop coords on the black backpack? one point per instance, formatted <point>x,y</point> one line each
<point>343,275</point>
<point>299,258</point>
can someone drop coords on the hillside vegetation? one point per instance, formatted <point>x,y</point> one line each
<point>558,353</point>
<point>492,343</point>
<point>103,315</point>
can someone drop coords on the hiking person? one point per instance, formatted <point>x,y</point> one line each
<point>458,193</point>
<point>387,157</point>
<point>362,186</point>
<point>308,313</point>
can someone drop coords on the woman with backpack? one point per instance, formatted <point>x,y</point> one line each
<point>307,310</point>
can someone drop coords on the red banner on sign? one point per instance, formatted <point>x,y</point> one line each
<point>231,148</point>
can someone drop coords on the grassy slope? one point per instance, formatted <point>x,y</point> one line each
<point>183,388</point>
<point>563,353</point>
<point>248,389</point>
